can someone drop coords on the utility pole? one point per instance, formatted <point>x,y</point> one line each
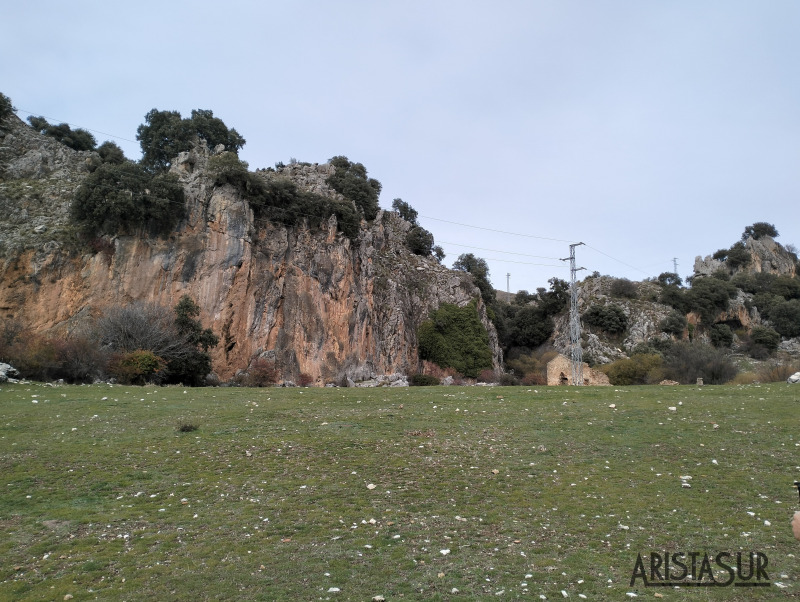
<point>508,283</point>
<point>576,353</point>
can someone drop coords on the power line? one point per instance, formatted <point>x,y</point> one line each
<point>496,250</point>
<point>493,230</point>
<point>77,126</point>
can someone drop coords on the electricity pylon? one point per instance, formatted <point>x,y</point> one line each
<point>576,353</point>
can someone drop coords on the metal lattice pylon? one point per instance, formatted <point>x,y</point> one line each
<point>576,352</point>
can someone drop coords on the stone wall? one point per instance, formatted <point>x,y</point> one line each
<point>559,372</point>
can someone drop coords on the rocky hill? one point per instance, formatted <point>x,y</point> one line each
<point>310,298</point>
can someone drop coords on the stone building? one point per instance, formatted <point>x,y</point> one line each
<point>559,372</point>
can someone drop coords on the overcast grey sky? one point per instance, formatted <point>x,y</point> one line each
<point>647,130</point>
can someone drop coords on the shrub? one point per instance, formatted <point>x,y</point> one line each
<point>420,241</point>
<point>610,318</point>
<point>304,379</point>
<point>121,198</point>
<point>776,371</point>
<point>639,369</point>
<point>686,362</point>
<point>738,256</point>
<point>721,335</point>
<point>709,297</point>
<point>487,376</point>
<point>110,152</point>
<point>351,181</point>
<point>137,367</point>
<point>74,358</point>
<point>455,337</point>
<point>786,318</point>
<point>530,327</point>
<point>674,323</point>
<point>80,140</point>
<point>622,287</point>
<point>508,380</point>
<point>423,380</point>
<point>765,337</point>
<point>261,373</point>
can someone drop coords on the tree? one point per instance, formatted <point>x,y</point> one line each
<point>674,323</point>
<point>438,253</point>
<point>420,241</point>
<point>721,335</point>
<point>759,230</point>
<point>351,181</point>
<point>611,318</point>
<point>6,108</point>
<point>406,211</point>
<point>530,327</point>
<point>455,337</point>
<point>622,287</point>
<point>192,367</point>
<point>669,279</point>
<point>686,362</point>
<point>110,152</point>
<point>786,318</point>
<point>79,139</point>
<point>709,297</point>
<point>467,262</point>
<point>119,198</point>
<point>165,134</point>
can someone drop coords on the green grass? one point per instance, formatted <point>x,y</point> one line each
<point>532,490</point>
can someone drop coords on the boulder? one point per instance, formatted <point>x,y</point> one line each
<point>794,378</point>
<point>8,373</point>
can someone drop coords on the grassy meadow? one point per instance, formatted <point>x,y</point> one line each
<point>441,493</point>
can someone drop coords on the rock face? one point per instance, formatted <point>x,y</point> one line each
<point>766,256</point>
<point>309,298</point>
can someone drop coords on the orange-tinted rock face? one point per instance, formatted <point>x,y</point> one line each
<point>311,299</point>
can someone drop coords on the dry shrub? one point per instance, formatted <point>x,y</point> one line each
<point>261,373</point>
<point>304,379</point>
<point>773,372</point>
<point>534,378</point>
<point>487,376</point>
<point>745,378</point>
<point>74,358</point>
<point>137,367</point>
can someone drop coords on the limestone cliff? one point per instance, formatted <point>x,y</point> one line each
<point>765,255</point>
<point>310,298</point>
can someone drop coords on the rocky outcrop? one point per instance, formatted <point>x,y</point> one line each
<point>309,298</point>
<point>766,256</point>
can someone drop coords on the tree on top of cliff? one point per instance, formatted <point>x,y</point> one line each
<point>351,181</point>
<point>467,262</point>
<point>759,230</point>
<point>6,108</point>
<point>122,197</point>
<point>79,139</point>
<point>165,134</point>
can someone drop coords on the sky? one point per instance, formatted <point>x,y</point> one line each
<point>652,132</point>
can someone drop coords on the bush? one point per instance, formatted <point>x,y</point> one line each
<point>786,318</point>
<point>765,337</point>
<point>137,367</point>
<point>420,241</point>
<point>674,323</point>
<point>487,376</point>
<point>686,362</point>
<point>455,337</point>
<point>121,198</point>
<point>74,358</point>
<point>351,181</point>
<point>305,380</point>
<point>531,366</point>
<point>79,139</point>
<point>279,200</point>
<point>709,297</point>
<point>622,287</point>
<point>423,380</point>
<point>508,380</point>
<point>261,373</point>
<point>738,256</point>
<point>611,318</point>
<point>639,369</point>
<point>111,153</point>
<point>721,335</point>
